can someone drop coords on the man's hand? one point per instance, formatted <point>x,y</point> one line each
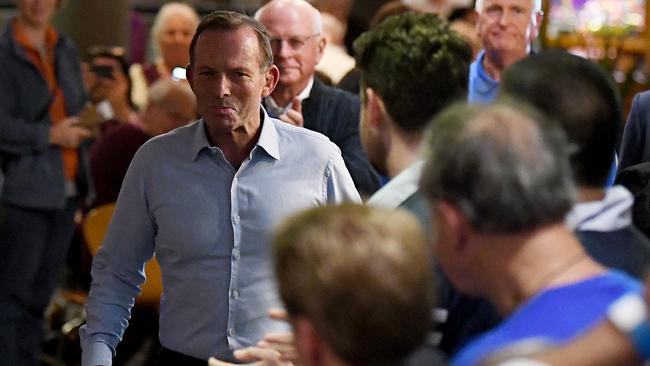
<point>67,133</point>
<point>294,114</point>
<point>256,356</point>
<point>276,349</point>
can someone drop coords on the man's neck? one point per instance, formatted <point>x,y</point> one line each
<point>283,94</point>
<point>533,262</point>
<point>496,62</point>
<point>35,33</point>
<point>403,152</point>
<point>590,194</point>
<point>236,144</point>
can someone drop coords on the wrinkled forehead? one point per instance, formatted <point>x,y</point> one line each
<point>291,22</point>
<point>532,5</point>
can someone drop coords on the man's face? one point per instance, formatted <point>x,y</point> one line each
<point>227,78</point>
<point>508,25</point>
<point>36,12</point>
<point>297,46</point>
<point>174,40</point>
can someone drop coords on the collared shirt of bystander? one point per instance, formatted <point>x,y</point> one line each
<point>482,88</point>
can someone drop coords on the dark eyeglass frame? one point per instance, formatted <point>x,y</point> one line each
<point>295,43</point>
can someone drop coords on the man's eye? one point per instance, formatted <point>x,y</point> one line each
<point>296,42</point>
<point>493,9</point>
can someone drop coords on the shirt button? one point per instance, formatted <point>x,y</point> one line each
<point>231,332</point>
<point>237,219</point>
<point>234,181</point>
<point>235,255</point>
<point>235,294</point>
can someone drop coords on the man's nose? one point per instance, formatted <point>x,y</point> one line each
<point>283,48</point>
<point>179,37</point>
<point>506,18</point>
<point>222,86</point>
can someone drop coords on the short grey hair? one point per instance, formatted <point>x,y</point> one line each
<point>163,15</point>
<point>537,6</point>
<point>505,168</point>
<point>316,18</point>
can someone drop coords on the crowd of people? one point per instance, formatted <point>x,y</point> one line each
<point>440,195</point>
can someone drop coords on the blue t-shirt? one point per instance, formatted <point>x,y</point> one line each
<point>555,315</point>
<point>482,88</point>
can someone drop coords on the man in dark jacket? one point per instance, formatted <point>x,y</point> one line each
<point>302,99</point>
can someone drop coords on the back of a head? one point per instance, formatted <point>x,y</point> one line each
<point>388,9</point>
<point>506,170</point>
<point>173,97</point>
<point>416,63</point>
<point>579,95</point>
<point>361,276</point>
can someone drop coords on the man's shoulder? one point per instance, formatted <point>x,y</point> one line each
<point>642,101</point>
<point>299,134</point>
<point>556,314</point>
<point>178,140</point>
<point>292,137</point>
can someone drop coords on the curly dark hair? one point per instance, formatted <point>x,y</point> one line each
<point>416,63</point>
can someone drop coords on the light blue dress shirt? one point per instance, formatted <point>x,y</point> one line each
<point>482,88</point>
<point>209,225</point>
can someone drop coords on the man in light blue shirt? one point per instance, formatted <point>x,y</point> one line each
<point>204,198</point>
<point>506,28</point>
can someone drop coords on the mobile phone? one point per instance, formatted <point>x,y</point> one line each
<point>179,73</point>
<point>103,71</point>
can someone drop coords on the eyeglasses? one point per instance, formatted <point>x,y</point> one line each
<point>295,43</point>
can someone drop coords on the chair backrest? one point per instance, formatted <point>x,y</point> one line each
<point>95,225</point>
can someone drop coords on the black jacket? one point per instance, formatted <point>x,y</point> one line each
<point>335,114</point>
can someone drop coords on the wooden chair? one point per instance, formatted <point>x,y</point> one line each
<point>95,226</point>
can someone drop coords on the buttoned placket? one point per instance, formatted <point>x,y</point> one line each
<point>234,294</point>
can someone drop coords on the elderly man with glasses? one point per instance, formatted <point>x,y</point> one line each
<point>301,99</point>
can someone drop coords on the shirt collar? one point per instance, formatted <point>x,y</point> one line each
<point>486,84</point>
<point>613,212</point>
<point>268,139</point>
<point>398,189</point>
<point>51,37</point>
<point>279,110</point>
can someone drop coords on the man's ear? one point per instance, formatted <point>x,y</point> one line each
<point>322,42</point>
<point>375,108</point>
<point>456,224</point>
<point>308,343</point>
<point>271,80</point>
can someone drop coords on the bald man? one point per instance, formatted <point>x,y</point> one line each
<point>297,41</point>
<point>170,104</point>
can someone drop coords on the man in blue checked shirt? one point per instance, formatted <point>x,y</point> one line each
<point>204,199</point>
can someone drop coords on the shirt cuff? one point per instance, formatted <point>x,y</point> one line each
<point>96,353</point>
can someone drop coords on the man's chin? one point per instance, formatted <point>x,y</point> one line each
<point>289,77</point>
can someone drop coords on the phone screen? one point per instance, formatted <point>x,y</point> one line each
<point>103,71</point>
<point>179,73</point>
